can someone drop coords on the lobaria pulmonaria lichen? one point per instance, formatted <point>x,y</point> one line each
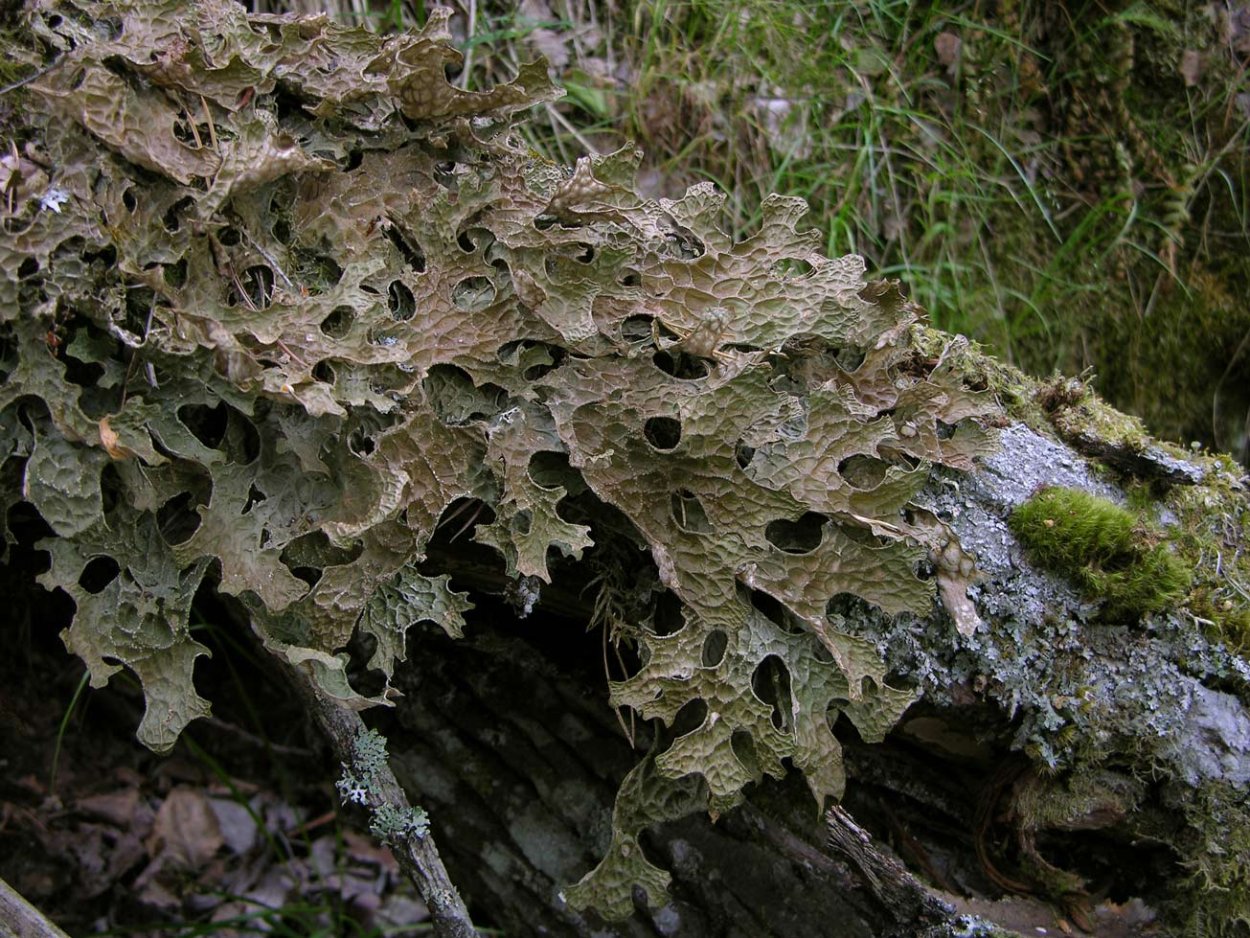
<point>297,297</point>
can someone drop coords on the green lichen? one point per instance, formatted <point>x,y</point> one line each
<point>1108,551</point>
<point>390,824</point>
<point>359,784</point>
<point>369,751</point>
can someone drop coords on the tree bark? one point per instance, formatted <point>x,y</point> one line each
<point>517,759</point>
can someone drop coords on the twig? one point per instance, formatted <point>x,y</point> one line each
<point>887,879</point>
<point>21,919</point>
<point>417,856</point>
<point>29,78</point>
<point>463,81</point>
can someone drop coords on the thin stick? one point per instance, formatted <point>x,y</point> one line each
<point>29,78</point>
<point>417,856</point>
<point>463,81</point>
<point>19,917</point>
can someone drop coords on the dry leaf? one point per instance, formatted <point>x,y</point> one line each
<point>109,440</point>
<point>186,833</point>
<point>1191,67</point>
<point>948,47</point>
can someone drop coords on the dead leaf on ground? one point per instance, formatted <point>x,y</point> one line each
<point>186,833</point>
<point>1191,67</point>
<point>948,47</point>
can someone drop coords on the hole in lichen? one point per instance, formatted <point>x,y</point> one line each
<point>27,268</point>
<point>772,609</point>
<point>254,497</point>
<point>743,746</point>
<point>255,288</point>
<point>668,618</point>
<point>177,519</point>
<point>318,272</point>
<point>281,229</point>
<point>98,574</point>
<point>771,683</point>
<point>473,294</point>
<point>790,267</point>
<point>797,537</point>
<point>323,371</point>
<point>534,358</point>
<point>636,329</point>
<point>630,278</point>
<point>400,301</point>
<point>360,443</point>
<point>129,200</point>
<point>664,433</point>
<point>714,648</point>
<point>459,521</point>
<point>846,605</point>
<point>945,430</point>
<point>680,365</point>
<point>229,237</point>
<point>409,250</point>
<point>310,575</point>
<point>690,717</point>
<point>550,470</point>
<point>308,555</point>
<point>175,274</point>
<point>172,219</point>
<point>686,246</point>
<point>863,472</point>
<point>445,175</point>
<point>689,514</point>
<point>585,253</point>
<point>192,134</point>
<point>207,424</point>
<point>339,322</point>
<point>849,359</point>
<point>223,428</point>
<point>743,454</point>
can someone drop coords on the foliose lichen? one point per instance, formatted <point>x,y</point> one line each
<point>359,785</point>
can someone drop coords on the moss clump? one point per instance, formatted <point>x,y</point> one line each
<point>1213,537</point>
<point>1216,901</point>
<point>1112,553</point>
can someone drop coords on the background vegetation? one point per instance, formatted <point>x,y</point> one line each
<point>1065,182</point>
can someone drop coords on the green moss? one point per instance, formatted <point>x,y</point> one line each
<point>1213,538</point>
<point>1217,853</point>
<point>1110,552</point>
